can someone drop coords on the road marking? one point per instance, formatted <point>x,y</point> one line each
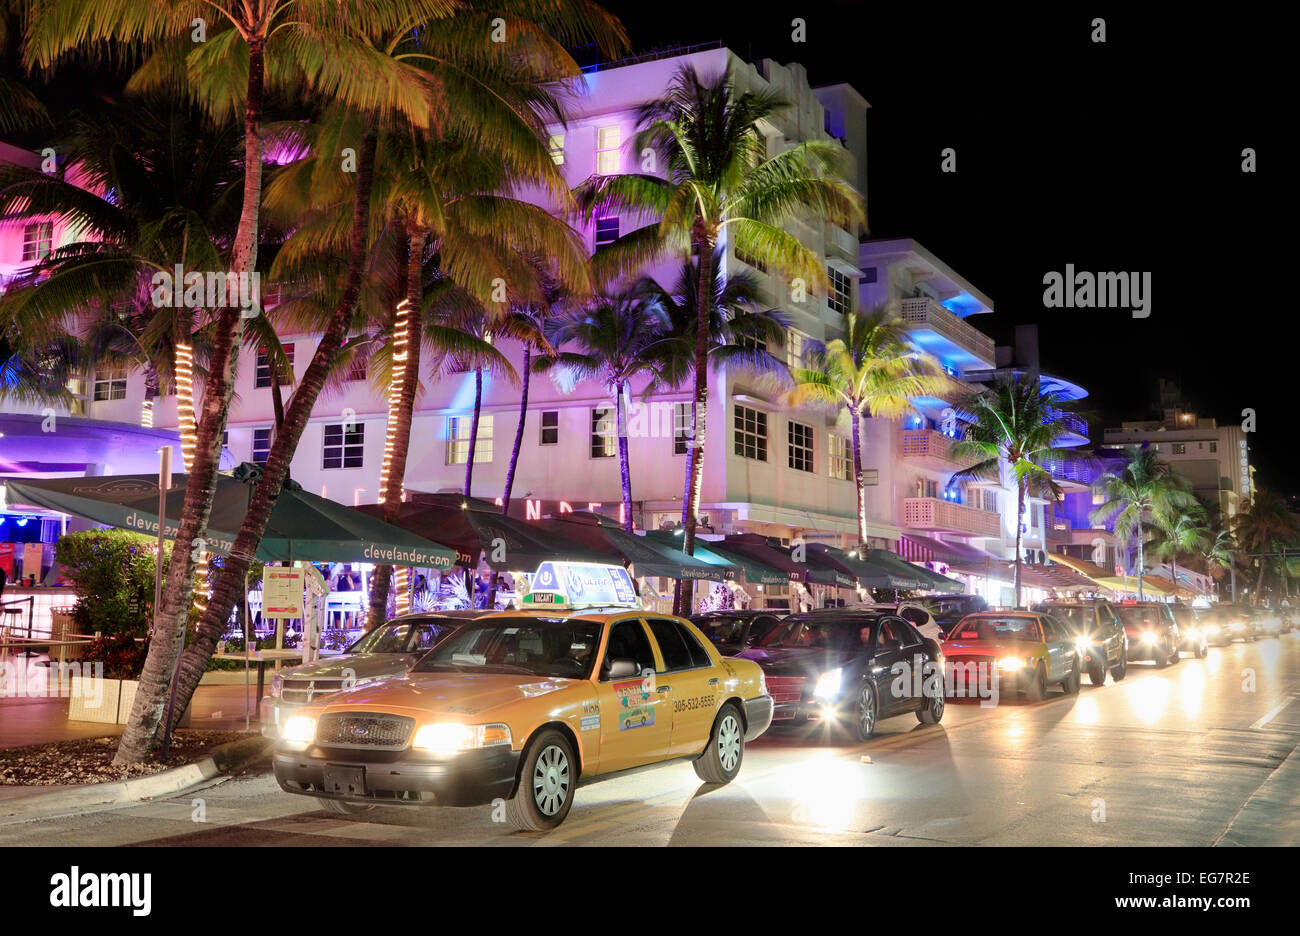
<point>1275,710</point>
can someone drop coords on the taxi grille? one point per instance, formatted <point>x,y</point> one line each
<point>300,691</point>
<point>785,688</point>
<point>376,732</point>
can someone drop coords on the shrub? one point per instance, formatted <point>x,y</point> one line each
<point>122,655</point>
<point>113,573</point>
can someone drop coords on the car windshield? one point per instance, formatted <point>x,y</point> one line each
<point>1078,620</point>
<point>840,634</point>
<point>721,630</point>
<point>996,628</point>
<point>1184,615</point>
<point>1224,611</point>
<point>1140,616</point>
<point>556,647</point>
<point>400,637</point>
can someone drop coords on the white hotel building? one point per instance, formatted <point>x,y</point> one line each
<point>768,470</point>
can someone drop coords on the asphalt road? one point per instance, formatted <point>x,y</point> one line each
<point>1201,753</point>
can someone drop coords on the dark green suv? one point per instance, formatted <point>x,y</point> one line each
<point>1098,632</point>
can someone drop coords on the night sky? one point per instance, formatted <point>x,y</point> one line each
<point>1123,156</point>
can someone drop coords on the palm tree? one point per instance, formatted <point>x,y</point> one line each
<point>1014,423</point>
<point>1266,524</point>
<point>1187,534</point>
<point>1144,491</point>
<point>531,320</point>
<point>871,372</point>
<point>718,181</point>
<point>617,340</point>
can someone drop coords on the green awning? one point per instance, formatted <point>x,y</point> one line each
<point>647,556</point>
<point>924,578</point>
<point>754,571</point>
<point>868,574</point>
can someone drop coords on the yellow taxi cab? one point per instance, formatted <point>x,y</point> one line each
<point>522,706</point>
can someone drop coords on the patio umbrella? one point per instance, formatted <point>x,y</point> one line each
<point>302,525</point>
<point>648,556</point>
<point>471,526</point>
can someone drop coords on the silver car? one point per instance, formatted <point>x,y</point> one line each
<point>387,651</point>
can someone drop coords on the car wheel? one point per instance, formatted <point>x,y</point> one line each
<point>1120,669</point>
<point>932,711</point>
<point>1202,650</point>
<point>344,809</point>
<point>545,790</point>
<point>1071,683</point>
<point>1177,654</point>
<point>864,711</point>
<point>1097,674</point>
<point>1037,687</point>
<point>721,760</point>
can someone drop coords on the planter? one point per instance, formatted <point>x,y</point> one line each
<point>107,701</point>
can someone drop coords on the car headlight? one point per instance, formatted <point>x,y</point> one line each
<point>300,729</point>
<point>1150,637</point>
<point>1211,628</point>
<point>1011,664</point>
<point>828,684</point>
<point>453,737</point>
<point>1192,633</point>
<point>277,686</point>
<point>1082,644</point>
<point>762,683</point>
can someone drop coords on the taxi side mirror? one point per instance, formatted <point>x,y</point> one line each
<point>623,669</point>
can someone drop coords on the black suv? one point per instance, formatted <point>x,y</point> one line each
<point>1153,632</point>
<point>1099,635</point>
<point>733,631</point>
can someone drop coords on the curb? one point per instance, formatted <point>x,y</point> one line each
<point>218,761</point>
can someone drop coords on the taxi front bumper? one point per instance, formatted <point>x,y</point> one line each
<point>472,778</point>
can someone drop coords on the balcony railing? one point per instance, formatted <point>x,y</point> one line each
<point>925,311</point>
<point>933,448</point>
<point>1080,472</point>
<point>1071,421</point>
<point>931,513</point>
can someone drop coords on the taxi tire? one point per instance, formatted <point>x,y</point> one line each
<point>522,810</point>
<point>1071,684</point>
<point>1036,690</point>
<point>338,807</point>
<point>709,766</point>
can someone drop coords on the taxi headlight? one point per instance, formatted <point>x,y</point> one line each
<point>453,737</point>
<point>762,683</point>
<point>828,684</point>
<point>277,686</point>
<point>300,729</point>
<point>1011,664</point>
<point>1082,644</point>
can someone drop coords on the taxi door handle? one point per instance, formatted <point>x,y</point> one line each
<point>713,681</point>
<point>663,689</point>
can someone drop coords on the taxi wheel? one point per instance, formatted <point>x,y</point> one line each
<point>721,760</point>
<point>1037,687</point>
<point>545,791</point>
<point>344,809</point>
<point>1071,684</point>
<point>1097,674</point>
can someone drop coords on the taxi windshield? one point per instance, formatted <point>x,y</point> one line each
<point>822,635</point>
<point>556,647</point>
<point>996,628</point>
<point>1141,616</point>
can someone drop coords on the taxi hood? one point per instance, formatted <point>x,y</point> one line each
<point>357,665</point>
<point>454,694</point>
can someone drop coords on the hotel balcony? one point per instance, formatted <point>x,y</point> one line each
<point>940,516</point>
<point>1059,531</point>
<point>951,339</point>
<point>932,449</point>
<point>1076,428</point>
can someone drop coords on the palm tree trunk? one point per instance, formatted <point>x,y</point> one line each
<point>858,480</point>
<point>402,391</point>
<point>1259,583</point>
<point>473,429</point>
<point>624,467</point>
<point>229,587</point>
<point>695,454</point>
<point>519,433</point>
<point>1141,557</point>
<point>1020,524</point>
<point>168,639</point>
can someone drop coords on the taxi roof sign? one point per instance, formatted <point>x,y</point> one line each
<point>561,585</point>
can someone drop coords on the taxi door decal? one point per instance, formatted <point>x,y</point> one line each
<point>635,697</point>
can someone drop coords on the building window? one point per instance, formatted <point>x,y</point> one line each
<point>458,436</point>
<point>556,145</point>
<point>841,295</point>
<point>606,231</point>
<point>800,438</point>
<point>344,449</point>
<point>841,457</point>
<point>110,384</point>
<point>38,239</point>
<point>1214,446</point>
<point>869,275</point>
<point>990,501</point>
<point>550,427</point>
<point>608,142</point>
<point>927,488</point>
<point>262,378</point>
<point>682,428</point>
<point>1180,448</point>
<point>751,433</point>
<point>604,437</point>
<point>261,446</point>
<point>751,342</point>
<point>750,260</point>
<point>794,350</point>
